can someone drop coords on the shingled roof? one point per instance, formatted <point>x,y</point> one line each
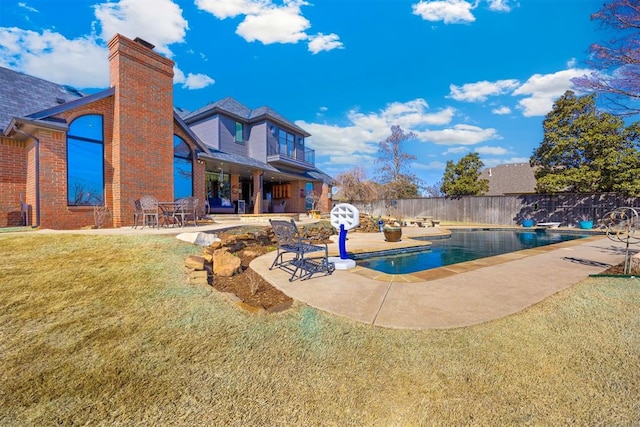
<point>233,107</point>
<point>23,95</point>
<point>513,178</point>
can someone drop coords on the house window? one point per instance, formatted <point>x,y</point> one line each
<point>85,161</point>
<point>286,141</point>
<point>182,169</point>
<point>239,132</point>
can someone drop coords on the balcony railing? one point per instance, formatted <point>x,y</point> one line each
<point>298,155</point>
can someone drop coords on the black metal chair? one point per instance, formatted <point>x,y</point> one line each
<point>290,241</point>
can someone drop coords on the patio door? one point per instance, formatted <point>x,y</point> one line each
<point>308,201</point>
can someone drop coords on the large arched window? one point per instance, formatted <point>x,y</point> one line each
<point>182,169</point>
<point>85,161</point>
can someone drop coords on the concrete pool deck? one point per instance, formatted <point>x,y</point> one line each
<point>455,296</point>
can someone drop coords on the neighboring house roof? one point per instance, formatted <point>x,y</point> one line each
<point>232,107</point>
<point>513,178</point>
<point>23,95</point>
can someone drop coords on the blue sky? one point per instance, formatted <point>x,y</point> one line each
<point>474,75</point>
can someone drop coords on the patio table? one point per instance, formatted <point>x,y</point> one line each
<point>168,210</point>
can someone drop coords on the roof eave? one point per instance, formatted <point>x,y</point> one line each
<point>27,125</point>
<point>72,104</point>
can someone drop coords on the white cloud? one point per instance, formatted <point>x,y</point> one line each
<point>408,115</point>
<point>79,62</point>
<point>197,81</point>
<point>223,9</point>
<point>480,91</point>
<point>357,142</point>
<point>459,134</point>
<point>544,89</point>
<point>502,110</point>
<point>159,22</point>
<point>321,42</point>
<point>499,5</point>
<point>540,91</point>
<point>268,23</point>
<point>82,62</point>
<point>27,7</point>
<point>448,11</point>
<point>275,25</point>
<point>496,151</point>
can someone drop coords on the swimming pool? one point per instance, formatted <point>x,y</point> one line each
<point>463,245</point>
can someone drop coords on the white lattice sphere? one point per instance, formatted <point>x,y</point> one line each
<point>345,214</point>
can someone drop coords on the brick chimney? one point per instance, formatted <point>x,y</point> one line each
<point>142,145</point>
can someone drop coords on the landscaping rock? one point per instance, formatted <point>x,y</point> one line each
<point>194,262</point>
<point>199,277</point>
<point>225,263</point>
<point>199,239</point>
<point>250,254</point>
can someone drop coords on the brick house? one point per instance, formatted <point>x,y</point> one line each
<point>63,152</point>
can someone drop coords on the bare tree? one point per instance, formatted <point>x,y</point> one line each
<point>394,173</point>
<point>354,186</point>
<point>434,190</point>
<point>616,62</point>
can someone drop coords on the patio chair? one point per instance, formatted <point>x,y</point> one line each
<point>279,208</point>
<point>187,210</point>
<point>137,211</point>
<point>290,241</point>
<point>24,212</point>
<point>150,211</point>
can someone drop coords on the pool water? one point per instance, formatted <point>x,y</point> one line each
<point>464,245</point>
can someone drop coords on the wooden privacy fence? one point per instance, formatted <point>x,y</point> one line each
<point>565,208</point>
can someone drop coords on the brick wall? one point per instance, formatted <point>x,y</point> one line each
<point>142,146</point>
<point>54,211</point>
<point>13,180</point>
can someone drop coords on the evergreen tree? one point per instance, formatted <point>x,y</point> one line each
<point>463,178</point>
<point>586,151</point>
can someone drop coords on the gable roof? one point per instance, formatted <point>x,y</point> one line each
<point>232,107</point>
<point>22,95</point>
<point>512,178</point>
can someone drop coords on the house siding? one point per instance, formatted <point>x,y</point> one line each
<point>207,131</point>
<point>228,142</point>
<point>256,146</point>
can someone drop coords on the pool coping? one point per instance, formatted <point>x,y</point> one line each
<point>449,270</point>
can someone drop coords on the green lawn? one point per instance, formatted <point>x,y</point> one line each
<point>104,330</point>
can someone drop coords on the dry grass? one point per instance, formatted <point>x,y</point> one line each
<point>104,330</point>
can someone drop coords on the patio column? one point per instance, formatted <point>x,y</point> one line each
<point>257,191</point>
<point>324,204</point>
